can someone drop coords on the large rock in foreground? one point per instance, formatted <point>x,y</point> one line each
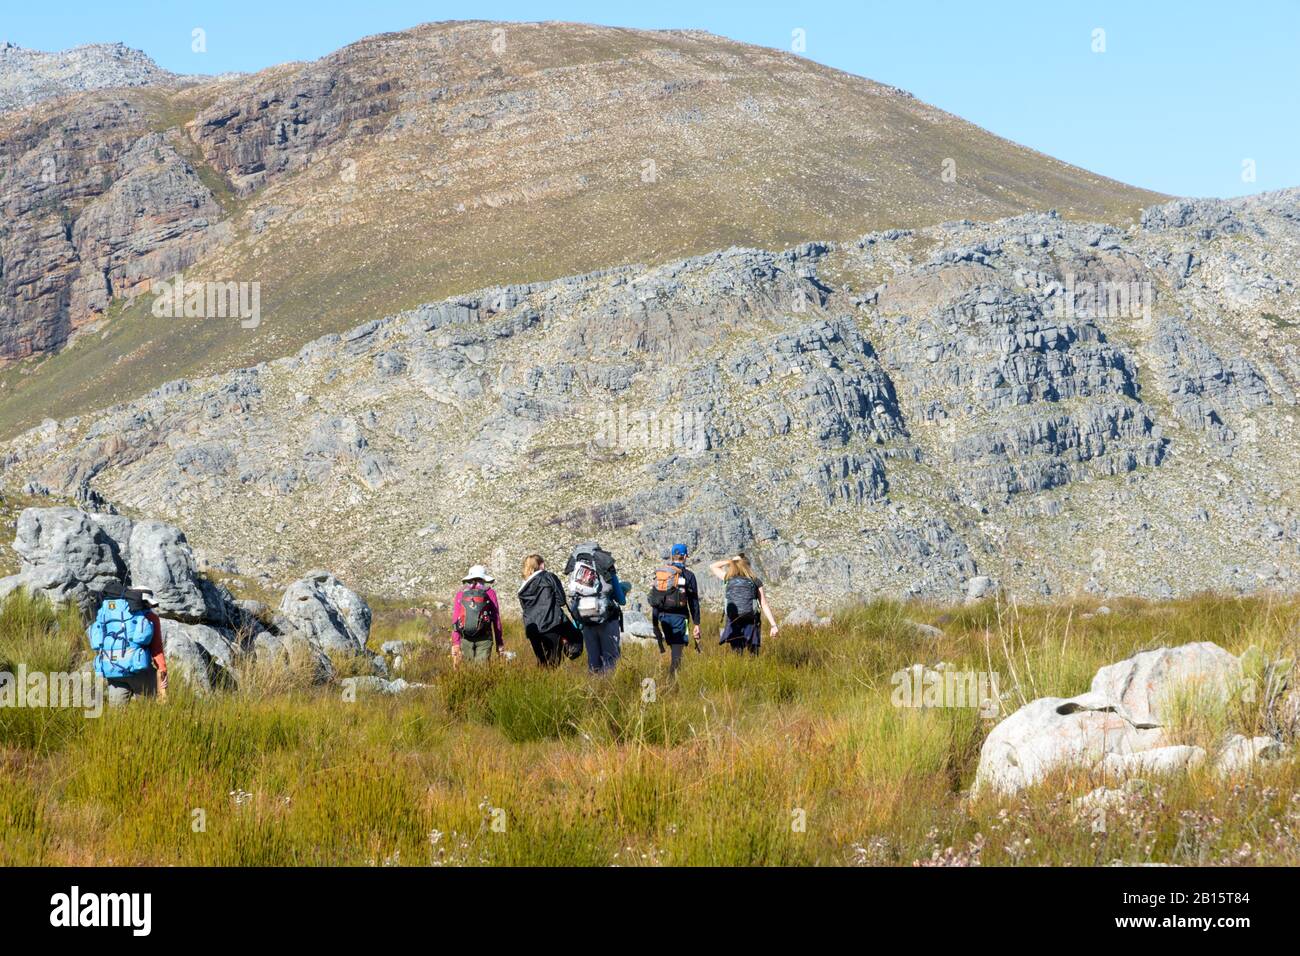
<point>327,613</point>
<point>1145,683</point>
<point>1114,730</point>
<point>1052,732</point>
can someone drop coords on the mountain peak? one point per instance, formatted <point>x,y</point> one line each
<point>28,77</point>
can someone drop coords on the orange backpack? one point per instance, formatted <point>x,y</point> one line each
<point>668,594</point>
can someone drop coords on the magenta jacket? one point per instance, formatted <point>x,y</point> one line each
<point>458,615</point>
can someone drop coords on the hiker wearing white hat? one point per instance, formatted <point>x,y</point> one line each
<point>476,617</point>
<point>156,648</point>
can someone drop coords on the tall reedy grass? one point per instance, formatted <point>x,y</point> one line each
<point>798,756</point>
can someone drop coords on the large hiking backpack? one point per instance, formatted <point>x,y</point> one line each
<point>477,621</point>
<point>593,589</point>
<point>668,593</point>
<point>120,637</point>
<point>741,597</point>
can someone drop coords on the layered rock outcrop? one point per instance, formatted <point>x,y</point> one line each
<point>1028,401</point>
<point>69,555</point>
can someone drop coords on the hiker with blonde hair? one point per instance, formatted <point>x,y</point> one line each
<point>744,597</point>
<point>547,622</point>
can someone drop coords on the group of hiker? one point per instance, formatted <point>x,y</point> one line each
<point>583,612</point>
<point>563,617</point>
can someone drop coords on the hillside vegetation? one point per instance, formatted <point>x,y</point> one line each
<point>796,757</point>
<point>411,166</point>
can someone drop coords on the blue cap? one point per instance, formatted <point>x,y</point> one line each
<point>679,551</point>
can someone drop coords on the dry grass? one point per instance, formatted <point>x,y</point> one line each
<point>796,757</point>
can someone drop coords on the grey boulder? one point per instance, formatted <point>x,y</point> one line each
<point>160,559</point>
<point>204,656</point>
<point>292,652</point>
<point>65,556</point>
<point>327,613</point>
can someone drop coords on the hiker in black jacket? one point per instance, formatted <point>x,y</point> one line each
<point>547,624</point>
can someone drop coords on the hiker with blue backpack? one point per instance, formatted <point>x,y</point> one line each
<point>745,605</point>
<point>674,601</point>
<point>476,618</point>
<point>596,599</point>
<point>127,638</point>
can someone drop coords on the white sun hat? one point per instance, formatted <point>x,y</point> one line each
<point>479,573</point>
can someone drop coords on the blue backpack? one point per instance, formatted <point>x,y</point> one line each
<point>120,637</point>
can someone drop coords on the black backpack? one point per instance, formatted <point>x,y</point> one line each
<point>741,596</point>
<point>591,583</point>
<point>668,593</point>
<point>478,614</point>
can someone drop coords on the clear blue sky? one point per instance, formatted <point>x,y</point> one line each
<point>1182,95</point>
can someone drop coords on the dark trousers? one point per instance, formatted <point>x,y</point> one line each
<point>744,635</point>
<point>546,644</point>
<point>602,643</point>
<point>672,628</point>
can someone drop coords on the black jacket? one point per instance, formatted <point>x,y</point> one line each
<point>543,601</point>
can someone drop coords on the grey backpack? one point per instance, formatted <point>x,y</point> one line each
<point>741,596</point>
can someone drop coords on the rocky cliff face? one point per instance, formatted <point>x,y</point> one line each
<point>410,166</point>
<point>1059,406</point>
<point>93,206</point>
<point>28,77</point>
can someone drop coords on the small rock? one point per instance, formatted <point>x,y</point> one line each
<point>1162,760</point>
<point>978,588</point>
<point>1240,754</point>
<point>927,631</point>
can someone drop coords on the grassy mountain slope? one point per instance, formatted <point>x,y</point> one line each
<point>461,155</point>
